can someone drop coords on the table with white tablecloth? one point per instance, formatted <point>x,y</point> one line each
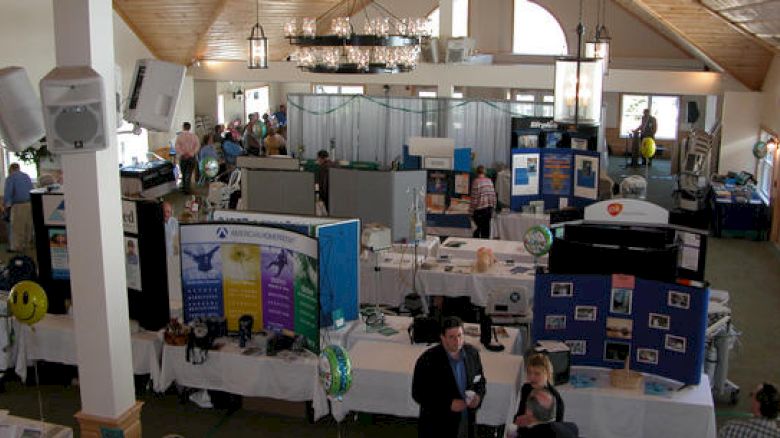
<point>603,411</point>
<point>466,248</point>
<point>509,337</point>
<point>458,278</point>
<point>427,248</point>
<point>512,226</point>
<point>453,277</point>
<point>382,382</point>
<point>54,340</point>
<point>13,426</point>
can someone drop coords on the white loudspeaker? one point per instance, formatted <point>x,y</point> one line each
<point>74,110</point>
<point>154,93</point>
<point>21,120</point>
<point>118,94</point>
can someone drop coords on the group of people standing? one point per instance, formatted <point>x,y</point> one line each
<point>258,137</point>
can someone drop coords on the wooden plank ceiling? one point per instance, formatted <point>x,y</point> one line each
<point>738,36</point>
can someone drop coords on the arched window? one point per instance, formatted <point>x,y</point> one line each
<point>536,31</point>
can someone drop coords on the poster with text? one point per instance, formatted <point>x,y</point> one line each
<point>58,251</point>
<point>132,263</point>
<point>586,177</point>
<point>557,174</point>
<point>232,270</point>
<point>525,174</point>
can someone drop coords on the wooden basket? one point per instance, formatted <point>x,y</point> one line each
<point>625,378</point>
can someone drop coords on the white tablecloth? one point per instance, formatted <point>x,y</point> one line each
<point>427,248</point>
<point>287,377</point>
<point>512,226</point>
<point>382,383</point>
<point>604,411</point>
<point>513,342</point>
<point>477,286</point>
<point>49,430</point>
<point>53,340</point>
<point>391,283</point>
<point>466,248</point>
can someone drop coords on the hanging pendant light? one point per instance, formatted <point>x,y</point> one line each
<point>258,44</point>
<point>578,86</point>
<point>598,47</point>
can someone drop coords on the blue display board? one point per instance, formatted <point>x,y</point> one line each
<point>660,326</point>
<point>339,249</point>
<point>552,174</point>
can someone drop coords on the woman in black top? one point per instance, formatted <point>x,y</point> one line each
<point>539,372</point>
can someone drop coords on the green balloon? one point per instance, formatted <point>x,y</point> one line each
<point>209,167</point>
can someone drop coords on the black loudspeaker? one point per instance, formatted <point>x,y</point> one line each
<point>693,112</point>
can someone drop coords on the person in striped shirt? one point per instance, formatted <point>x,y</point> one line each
<point>483,201</point>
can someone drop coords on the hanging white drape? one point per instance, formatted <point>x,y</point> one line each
<point>484,127</point>
<point>375,128</point>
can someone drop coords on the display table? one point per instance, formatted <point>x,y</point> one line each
<point>391,283</point>
<point>9,422</point>
<point>466,248</point>
<point>738,210</point>
<point>603,411</point>
<point>53,340</point>
<point>512,226</point>
<point>427,248</point>
<point>512,341</point>
<point>461,281</point>
<point>287,376</point>
<point>382,383</point>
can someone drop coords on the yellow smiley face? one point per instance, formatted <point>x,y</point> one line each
<point>27,302</point>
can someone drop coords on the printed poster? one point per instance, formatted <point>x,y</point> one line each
<point>557,174</point>
<point>132,263</point>
<point>525,174</point>
<point>58,250</point>
<point>232,270</point>
<point>53,209</point>
<point>586,178</point>
<point>462,183</point>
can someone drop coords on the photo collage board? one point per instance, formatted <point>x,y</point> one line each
<point>659,326</point>
<point>559,177</point>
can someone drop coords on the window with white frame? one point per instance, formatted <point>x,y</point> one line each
<point>339,89</point>
<point>256,100</point>
<point>766,167</point>
<point>460,19</point>
<point>132,148</point>
<point>221,109</point>
<point>536,31</point>
<point>665,109</point>
<point>533,103</point>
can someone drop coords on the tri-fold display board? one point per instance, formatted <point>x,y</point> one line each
<point>604,319</point>
<point>288,272</point>
<point>560,177</point>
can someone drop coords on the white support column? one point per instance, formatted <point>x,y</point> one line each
<point>445,20</point>
<point>83,32</point>
<point>445,89</point>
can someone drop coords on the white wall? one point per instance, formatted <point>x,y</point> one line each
<point>741,119</point>
<point>206,99</point>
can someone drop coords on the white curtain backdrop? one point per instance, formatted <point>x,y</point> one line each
<point>375,128</point>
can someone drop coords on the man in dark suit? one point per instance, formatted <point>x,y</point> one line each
<point>449,385</point>
<point>541,406</point>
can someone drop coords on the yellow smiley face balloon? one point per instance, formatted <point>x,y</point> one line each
<point>27,302</point>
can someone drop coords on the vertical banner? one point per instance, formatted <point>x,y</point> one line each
<point>556,174</point>
<point>240,283</point>
<point>58,250</point>
<point>269,273</point>
<point>525,178</point>
<point>586,183</point>
<point>132,263</point>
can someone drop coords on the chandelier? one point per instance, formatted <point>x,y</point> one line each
<point>258,44</point>
<point>578,86</point>
<point>388,44</point>
<point>598,47</point>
